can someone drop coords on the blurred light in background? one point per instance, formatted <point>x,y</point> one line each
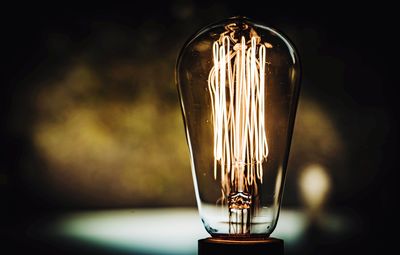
<point>107,150</point>
<point>314,185</point>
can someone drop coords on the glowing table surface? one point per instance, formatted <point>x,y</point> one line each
<point>146,231</point>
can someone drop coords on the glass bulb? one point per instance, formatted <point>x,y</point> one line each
<point>238,83</point>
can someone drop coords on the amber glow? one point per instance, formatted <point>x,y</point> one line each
<point>237,90</point>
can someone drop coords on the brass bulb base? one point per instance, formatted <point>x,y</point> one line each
<point>218,246</point>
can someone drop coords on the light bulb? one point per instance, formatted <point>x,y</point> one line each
<point>238,83</point>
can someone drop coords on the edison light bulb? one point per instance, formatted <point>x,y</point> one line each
<point>238,83</point>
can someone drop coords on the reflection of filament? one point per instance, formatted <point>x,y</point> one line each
<point>237,90</point>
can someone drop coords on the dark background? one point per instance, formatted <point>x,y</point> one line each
<point>349,63</point>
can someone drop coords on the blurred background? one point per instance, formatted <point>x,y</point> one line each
<point>91,118</point>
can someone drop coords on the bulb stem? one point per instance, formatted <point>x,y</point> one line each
<point>240,204</point>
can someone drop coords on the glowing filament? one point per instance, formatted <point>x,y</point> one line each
<point>237,89</point>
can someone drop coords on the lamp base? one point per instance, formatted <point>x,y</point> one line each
<point>218,246</point>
